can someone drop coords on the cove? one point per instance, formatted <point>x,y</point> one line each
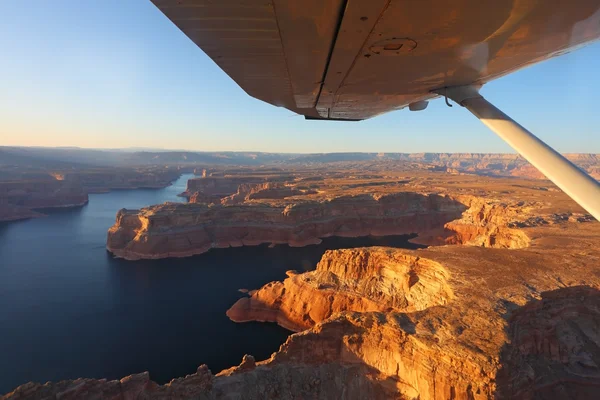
<point>68,309</point>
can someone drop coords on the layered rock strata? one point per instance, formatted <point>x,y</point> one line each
<point>347,279</point>
<point>179,230</point>
<point>267,190</point>
<point>224,186</point>
<point>456,322</point>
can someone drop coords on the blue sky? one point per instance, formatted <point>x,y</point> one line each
<point>117,73</point>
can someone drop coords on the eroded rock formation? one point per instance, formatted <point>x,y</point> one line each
<point>267,190</point>
<point>223,186</point>
<point>355,280</point>
<point>489,223</point>
<point>463,323</point>
<point>554,348</point>
<point>178,230</point>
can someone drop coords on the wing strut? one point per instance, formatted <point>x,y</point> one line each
<point>581,187</point>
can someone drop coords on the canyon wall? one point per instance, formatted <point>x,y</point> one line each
<point>223,186</point>
<point>179,230</point>
<point>489,223</point>
<point>266,190</point>
<point>19,199</point>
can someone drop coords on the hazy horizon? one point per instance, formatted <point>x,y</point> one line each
<point>162,150</point>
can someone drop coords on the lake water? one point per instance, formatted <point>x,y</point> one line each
<point>69,309</point>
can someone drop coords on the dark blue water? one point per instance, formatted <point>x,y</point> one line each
<point>68,309</point>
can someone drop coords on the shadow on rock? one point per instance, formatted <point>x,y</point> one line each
<point>554,348</point>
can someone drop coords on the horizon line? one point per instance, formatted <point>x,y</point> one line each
<point>153,149</point>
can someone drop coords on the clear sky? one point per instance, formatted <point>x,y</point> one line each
<point>117,73</point>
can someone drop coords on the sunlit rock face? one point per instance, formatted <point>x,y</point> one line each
<point>178,230</point>
<point>267,190</point>
<point>459,322</point>
<point>223,186</point>
<point>373,279</point>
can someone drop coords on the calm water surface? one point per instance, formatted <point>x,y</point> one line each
<point>69,309</point>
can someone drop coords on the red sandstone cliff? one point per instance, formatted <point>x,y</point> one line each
<point>357,280</point>
<point>224,186</point>
<point>178,230</point>
<point>267,190</point>
<point>450,322</point>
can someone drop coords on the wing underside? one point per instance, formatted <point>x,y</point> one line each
<point>353,59</point>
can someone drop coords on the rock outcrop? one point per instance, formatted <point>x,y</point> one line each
<point>267,190</point>
<point>223,186</point>
<point>20,199</point>
<point>201,198</point>
<point>344,280</point>
<point>489,223</point>
<point>179,230</point>
<point>462,323</point>
<point>554,348</point>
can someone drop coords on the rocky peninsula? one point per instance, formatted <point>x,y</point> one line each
<point>180,230</point>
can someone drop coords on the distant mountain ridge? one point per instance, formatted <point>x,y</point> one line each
<point>77,157</point>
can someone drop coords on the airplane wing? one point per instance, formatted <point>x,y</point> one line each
<point>355,59</point>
